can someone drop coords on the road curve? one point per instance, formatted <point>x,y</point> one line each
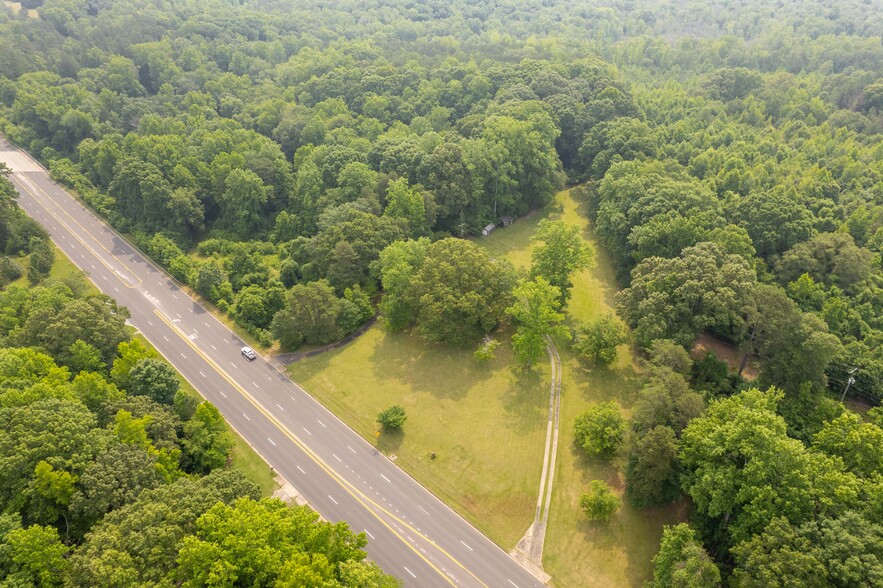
<point>411,533</point>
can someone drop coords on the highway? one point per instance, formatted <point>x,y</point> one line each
<point>411,533</point>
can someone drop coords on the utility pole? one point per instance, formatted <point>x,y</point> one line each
<point>849,383</point>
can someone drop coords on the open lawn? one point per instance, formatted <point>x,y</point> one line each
<point>486,424</point>
<point>579,553</point>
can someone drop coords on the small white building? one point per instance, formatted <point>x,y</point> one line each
<point>488,230</point>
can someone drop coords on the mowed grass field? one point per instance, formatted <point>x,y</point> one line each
<point>486,424</point>
<point>576,552</point>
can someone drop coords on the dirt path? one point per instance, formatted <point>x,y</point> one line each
<point>531,545</point>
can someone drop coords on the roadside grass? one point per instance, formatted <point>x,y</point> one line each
<point>62,269</point>
<point>243,458</point>
<point>486,423</point>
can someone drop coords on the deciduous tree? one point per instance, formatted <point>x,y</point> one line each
<point>652,470</point>
<point>599,430</point>
<point>535,312</point>
<point>597,340</point>
<point>599,503</point>
<point>461,293</point>
<point>392,417</point>
<point>562,252</point>
<point>682,561</point>
<point>155,379</point>
<point>207,441</point>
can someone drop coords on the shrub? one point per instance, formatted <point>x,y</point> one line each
<point>487,349</point>
<point>600,429</point>
<point>392,417</point>
<point>599,503</point>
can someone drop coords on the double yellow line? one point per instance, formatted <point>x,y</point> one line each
<point>357,494</point>
<point>32,188</point>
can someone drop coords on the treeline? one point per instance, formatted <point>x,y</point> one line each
<point>289,156</point>
<point>190,153</point>
<point>20,235</point>
<point>111,475</point>
<point>289,162</point>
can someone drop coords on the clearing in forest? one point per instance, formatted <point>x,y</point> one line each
<point>486,424</point>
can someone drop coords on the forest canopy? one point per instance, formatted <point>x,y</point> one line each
<point>305,165</point>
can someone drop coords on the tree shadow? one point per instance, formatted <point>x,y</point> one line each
<point>621,384</point>
<point>445,371</point>
<point>389,441</point>
<point>526,399</point>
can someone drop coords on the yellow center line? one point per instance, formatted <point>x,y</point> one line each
<point>346,485</point>
<point>76,236</point>
<point>85,230</point>
<point>357,494</point>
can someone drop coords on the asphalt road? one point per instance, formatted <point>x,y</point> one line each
<point>411,533</point>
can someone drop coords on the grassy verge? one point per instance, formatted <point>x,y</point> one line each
<point>485,422</point>
<point>62,269</point>
<point>243,458</point>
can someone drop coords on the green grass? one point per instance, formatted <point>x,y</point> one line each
<point>576,552</point>
<point>485,422</point>
<point>62,269</point>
